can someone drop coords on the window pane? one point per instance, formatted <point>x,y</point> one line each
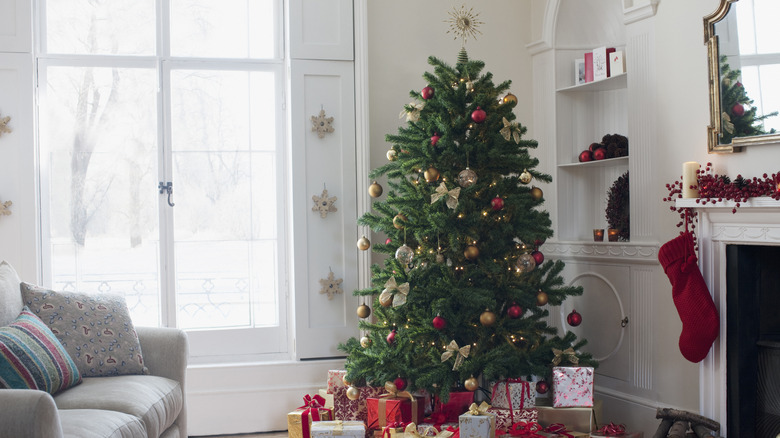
<point>101,27</point>
<point>99,142</point>
<point>224,29</point>
<point>224,175</point>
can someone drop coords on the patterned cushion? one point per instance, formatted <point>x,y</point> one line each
<point>31,357</point>
<point>95,329</point>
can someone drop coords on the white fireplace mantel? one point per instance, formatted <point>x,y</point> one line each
<point>756,222</point>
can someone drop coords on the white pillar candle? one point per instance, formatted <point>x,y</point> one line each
<point>690,180</point>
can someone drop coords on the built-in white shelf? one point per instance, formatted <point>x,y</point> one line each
<point>611,83</point>
<point>599,163</point>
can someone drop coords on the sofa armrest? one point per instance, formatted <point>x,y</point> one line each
<point>165,351</point>
<point>28,413</point>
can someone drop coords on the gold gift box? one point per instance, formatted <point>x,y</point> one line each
<point>395,432</point>
<point>295,425</point>
<point>328,398</point>
<point>572,418</point>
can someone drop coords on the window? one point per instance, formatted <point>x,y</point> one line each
<point>135,96</point>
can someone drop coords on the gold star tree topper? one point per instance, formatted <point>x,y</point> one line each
<point>464,24</point>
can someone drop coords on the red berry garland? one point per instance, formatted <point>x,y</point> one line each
<point>714,188</point>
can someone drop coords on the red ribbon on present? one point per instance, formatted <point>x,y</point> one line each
<point>311,407</point>
<point>523,392</point>
<point>524,429</point>
<point>612,429</point>
<point>559,429</point>
<point>455,431</point>
<point>392,425</point>
<point>437,419</point>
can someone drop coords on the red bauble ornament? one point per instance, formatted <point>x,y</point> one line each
<point>427,93</point>
<point>387,242</point>
<point>594,146</point>
<point>439,323</point>
<point>479,115</point>
<point>435,139</point>
<point>738,109</point>
<point>574,319</point>
<point>497,203</point>
<point>400,383</point>
<point>586,156</point>
<point>599,154</point>
<point>538,243</point>
<point>542,387</point>
<point>538,257</point>
<point>391,337</point>
<point>514,311</point>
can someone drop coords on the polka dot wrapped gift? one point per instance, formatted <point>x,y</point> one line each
<point>572,387</point>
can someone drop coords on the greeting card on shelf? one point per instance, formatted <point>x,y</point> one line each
<point>617,63</point>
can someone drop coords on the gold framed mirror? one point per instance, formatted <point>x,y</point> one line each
<point>743,46</point>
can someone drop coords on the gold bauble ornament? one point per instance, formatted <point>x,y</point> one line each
<point>363,243</point>
<point>509,98</point>
<point>537,193</point>
<point>471,384</point>
<point>375,190</point>
<point>353,393</point>
<point>345,381</point>
<point>365,342</point>
<point>431,175</point>
<point>526,177</point>
<point>363,311</point>
<point>386,300</point>
<point>541,298</point>
<point>399,221</point>
<point>487,318</point>
<point>471,252</point>
<point>392,155</point>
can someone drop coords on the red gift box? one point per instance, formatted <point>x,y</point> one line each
<point>457,404</point>
<point>401,407</point>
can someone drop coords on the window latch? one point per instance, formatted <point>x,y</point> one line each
<point>166,187</point>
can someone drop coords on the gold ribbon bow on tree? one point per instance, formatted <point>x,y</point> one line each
<point>482,409</point>
<point>450,195</point>
<point>411,432</point>
<point>567,354</point>
<point>400,292</point>
<point>511,130</point>
<point>412,111</point>
<point>462,353</point>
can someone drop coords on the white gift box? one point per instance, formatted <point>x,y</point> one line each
<point>335,379</point>
<point>513,394</point>
<point>572,387</point>
<point>477,426</point>
<point>355,429</point>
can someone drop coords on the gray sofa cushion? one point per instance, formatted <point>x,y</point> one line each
<point>10,295</point>
<point>92,423</point>
<point>157,401</point>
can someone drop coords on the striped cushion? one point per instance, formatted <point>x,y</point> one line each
<point>31,357</point>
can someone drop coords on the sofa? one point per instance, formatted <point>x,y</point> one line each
<point>148,404</point>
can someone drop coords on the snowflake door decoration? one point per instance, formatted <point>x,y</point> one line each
<point>5,208</point>
<point>4,129</point>
<point>331,285</point>
<point>321,124</point>
<point>324,204</point>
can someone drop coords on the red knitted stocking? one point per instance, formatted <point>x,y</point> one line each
<point>691,297</point>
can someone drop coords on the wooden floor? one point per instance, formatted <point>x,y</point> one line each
<point>253,435</point>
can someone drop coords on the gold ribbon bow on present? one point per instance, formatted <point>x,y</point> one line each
<point>411,432</point>
<point>338,426</point>
<point>511,129</point>
<point>393,392</point>
<point>479,410</point>
<point>462,353</point>
<point>451,195</point>
<point>401,292</point>
<point>567,354</point>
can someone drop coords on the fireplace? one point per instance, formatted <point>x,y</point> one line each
<point>756,224</point>
<point>753,340</point>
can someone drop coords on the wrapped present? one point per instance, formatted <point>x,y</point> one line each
<point>512,394</point>
<point>336,380</point>
<point>457,404</point>
<point>395,406</point>
<point>558,430</point>
<point>392,430</point>
<point>428,429</point>
<point>505,418</point>
<point>527,429</point>
<point>579,419</point>
<point>328,398</point>
<point>353,410</point>
<point>477,422</point>
<point>355,429</point>
<point>572,387</point>
<point>299,421</point>
<point>613,430</point>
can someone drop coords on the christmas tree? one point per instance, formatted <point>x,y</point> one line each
<point>738,117</point>
<point>463,291</point>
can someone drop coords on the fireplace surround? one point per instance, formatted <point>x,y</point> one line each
<point>756,222</point>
